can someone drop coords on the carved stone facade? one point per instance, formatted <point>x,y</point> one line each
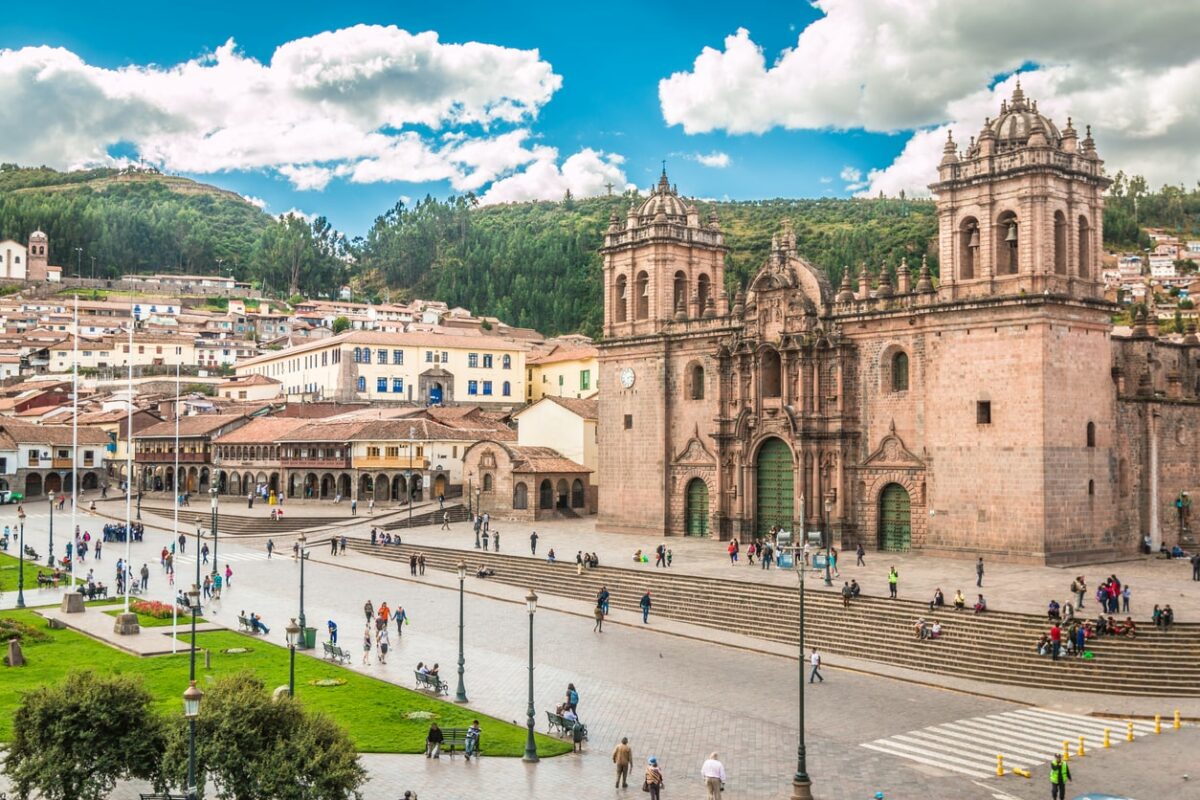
<point>990,413</point>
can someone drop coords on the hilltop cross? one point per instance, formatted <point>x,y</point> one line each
<point>609,186</point>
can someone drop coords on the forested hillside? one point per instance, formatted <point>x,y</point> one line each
<point>530,264</point>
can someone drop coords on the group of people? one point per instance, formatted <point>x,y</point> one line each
<point>712,772</point>
<point>382,537</point>
<point>662,556</point>
<point>435,738</point>
<point>588,560</point>
<point>375,634</point>
<point>960,602</point>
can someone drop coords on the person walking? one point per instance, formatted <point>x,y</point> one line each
<point>815,661</point>
<point>412,564</point>
<point>653,782</point>
<point>1125,596</point>
<point>598,614</point>
<point>295,550</point>
<point>860,552</point>
<point>354,507</point>
<point>369,611</point>
<point>250,500</point>
<point>367,645</point>
<point>893,579</point>
<point>979,571</point>
<point>847,592</point>
<point>381,639</point>
<point>485,540</point>
<point>602,599</point>
<point>333,545</point>
<point>533,537</point>
<point>421,564</point>
<point>401,618</point>
<point>1060,773</point>
<point>228,576</point>
<point>446,521</point>
<point>204,553</point>
<point>496,541</point>
<point>645,605</point>
<point>713,773</point>
<point>622,756</point>
<point>1196,567</point>
<point>343,545</point>
<point>660,556</point>
<point>1055,641</point>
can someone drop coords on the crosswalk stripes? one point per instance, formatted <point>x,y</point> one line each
<point>1026,737</point>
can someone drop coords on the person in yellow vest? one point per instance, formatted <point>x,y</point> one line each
<point>1060,773</point>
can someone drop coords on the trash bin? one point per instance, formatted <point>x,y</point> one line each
<point>310,638</point>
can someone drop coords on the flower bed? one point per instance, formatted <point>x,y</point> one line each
<point>155,609</point>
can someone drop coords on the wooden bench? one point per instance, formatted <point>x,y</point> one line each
<point>457,738</point>
<point>335,653</point>
<point>432,682</point>
<point>564,726</point>
<point>244,624</point>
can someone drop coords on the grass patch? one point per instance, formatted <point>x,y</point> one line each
<point>10,575</point>
<point>380,717</point>
<point>147,621</point>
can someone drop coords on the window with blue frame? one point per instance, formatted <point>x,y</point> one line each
<point>366,355</point>
<point>357,355</point>
<point>428,356</point>
<point>473,360</point>
<point>506,362</point>
<point>398,385</point>
<point>398,357</point>
<point>362,383</point>
<point>487,360</point>
<point>381,356</point>
<point>507,389</point>
<point>472,387</point>
<point>381,385</point>
<point>487,387</point>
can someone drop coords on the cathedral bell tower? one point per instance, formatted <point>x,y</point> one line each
<point>1021,209</point>
<point>661,264</point>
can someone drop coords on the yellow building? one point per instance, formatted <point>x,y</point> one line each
<point>565,371</point>
<point>419,367</point>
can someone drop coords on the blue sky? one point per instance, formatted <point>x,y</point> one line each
<point>860,101</point>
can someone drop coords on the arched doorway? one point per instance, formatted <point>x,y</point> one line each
<point>696,508</point>
<point>235,483</point>
<point>774,479</point>
<point>382,484</point>
<point>895,518</point>
<point>344,485</point>
<point>33,484</point>
<point>53,483</point>
<point>439,486</point>
<point>546,494</point>
<point>399,488</point>
<point>90,481</point>
<point>435,394</point>
<point>561,494</point>
<point>520,497</point>
<point>327,484</point>
<point>577,493</point>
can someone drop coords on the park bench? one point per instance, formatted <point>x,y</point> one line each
<point>335,653</point>
<point>453,738</point>
<point>563,725</point>
<point>431,682</point>
<point>46,580</point>
<point>244,624</point>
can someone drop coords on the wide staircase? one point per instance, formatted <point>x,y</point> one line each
<point>434,516</point>
<point>237,525</point>
<point>995,647</point>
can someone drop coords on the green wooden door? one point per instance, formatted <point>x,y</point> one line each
<point>895,519</point>
<point>774,478</point>
<point>697,508</point>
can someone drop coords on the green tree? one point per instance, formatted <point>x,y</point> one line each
<point>341,324</point>
<point>256,748</point>
<point>74,741</point>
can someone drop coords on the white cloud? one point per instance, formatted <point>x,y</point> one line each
<point>912,65</point>
<point>584,174</point>
<point>257,202</point>
<point>850,174</point>
<point>295,212</point>
<point>365,103</point>
<point>716,159</point>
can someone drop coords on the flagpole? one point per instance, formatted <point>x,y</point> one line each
<point>75,446</point>
<point>175,483</point>
<point>129,460</point>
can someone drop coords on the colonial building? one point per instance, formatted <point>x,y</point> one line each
<point>992,412</point>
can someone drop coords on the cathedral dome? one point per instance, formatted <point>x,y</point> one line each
<point>663,200</point>
<point>1018,120</point>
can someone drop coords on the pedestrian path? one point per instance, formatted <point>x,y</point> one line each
<point>190,558</point>
<point>1026,738</point>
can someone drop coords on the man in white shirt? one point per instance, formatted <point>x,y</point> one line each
<point>713,773</point>
<point>815,660</point>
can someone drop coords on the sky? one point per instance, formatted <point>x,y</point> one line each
<point>344,109</point>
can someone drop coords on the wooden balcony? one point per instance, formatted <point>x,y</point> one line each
<point>168,457</point>
<point>315,463</point>
<point>392,462</point>
<point>60,463</point>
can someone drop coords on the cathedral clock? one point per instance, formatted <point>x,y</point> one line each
<point>627,377</point>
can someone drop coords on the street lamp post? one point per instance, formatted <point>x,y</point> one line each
<point>139,505</point>
<point>530,745</point>
<point>828,535</point>
<point>801,783</point>
<point>213,492</point>
<point>303,556</point>
<point>460,696</point>
<point>50,555</point>
<point>292,631</point>
<point>408,473</point>
<point>21,563</point>
<point>191,710</point>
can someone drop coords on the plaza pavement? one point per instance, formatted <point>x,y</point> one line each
<point>675,696</point>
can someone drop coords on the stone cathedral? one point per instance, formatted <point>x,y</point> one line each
<point>991,411</point>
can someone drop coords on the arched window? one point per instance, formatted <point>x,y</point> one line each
<point>620,302</point>
<point>366,355</point>
<point>487,481</point>
<point>1060,243</point>
<point>1091,434</point>
<point>641,296</point>
<point>1085,248</point>
<point>577,494</point>
<point>900,372</point>
<point>696,381</point>
<point>1091,487</point>
<point>771,369</point>
<point>679,295</point>
<point>968,234</point>
<point>506,362</point>
<point>703,290</point>
<point>362,383</point>
<point>546,494</point>
<point>520,496</point>
<point>1006,244</point>
<point>507,389</point>
<point>357,355</point>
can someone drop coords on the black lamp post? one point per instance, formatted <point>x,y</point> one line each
<point>460,696</point>
<point>408,474</point>
<point>213,492</point>
<point>191,710</point>
<point>50,555</point>
<point>828,534</point>
<point>530,745</point>
<point>801,783</point>
<point>21,564</point>
<point>292,632</point>
<point>303,541</point>
<point>139,506</point>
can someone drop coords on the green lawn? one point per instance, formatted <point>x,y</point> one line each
<point>373,712</point>
<point>10,569</point>
<point>147,621</point>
